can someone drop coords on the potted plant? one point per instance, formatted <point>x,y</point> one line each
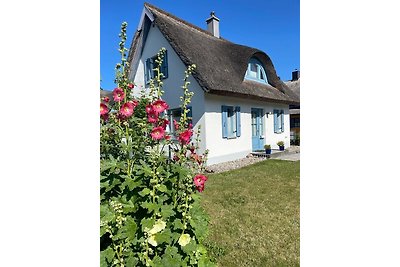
<point>267,149</point>
<point>281,145</point>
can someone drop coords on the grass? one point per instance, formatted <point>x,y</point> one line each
<point>255,215</point>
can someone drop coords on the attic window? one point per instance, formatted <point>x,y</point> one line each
<point>255,71</point>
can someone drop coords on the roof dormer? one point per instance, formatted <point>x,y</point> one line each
<point>255,71</point>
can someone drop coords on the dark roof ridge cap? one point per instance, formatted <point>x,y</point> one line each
<point>150,6</point>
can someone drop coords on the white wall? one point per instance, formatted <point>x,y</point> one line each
<point>222,149</point>
<point>172,85</point>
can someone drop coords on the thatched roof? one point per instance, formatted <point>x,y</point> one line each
<point>221,64</point>
<point>294,86</point>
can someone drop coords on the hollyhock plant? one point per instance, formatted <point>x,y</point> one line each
<point>157,133</point>
<point>131,85</point>
<point>185,136</point>
<point>106,99</point>
<point>160,106</point>
<point>165,123</point>
<point>118,94</point>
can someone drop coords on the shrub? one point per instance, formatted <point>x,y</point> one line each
<point>267,146</point>
<point>149,180</point>
<point>280,143</point>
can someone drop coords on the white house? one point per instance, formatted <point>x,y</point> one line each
<point>239,101</point>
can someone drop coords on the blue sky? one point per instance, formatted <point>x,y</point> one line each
<point>272,26</point>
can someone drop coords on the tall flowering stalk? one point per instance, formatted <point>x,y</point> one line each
<point>149,199</point>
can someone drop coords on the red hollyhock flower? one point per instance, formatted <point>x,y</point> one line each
<point>152,117</point>
<point>199,181</point>
<point>176,125</point>
<point>167,137</point>
<point>127,109</point>
<point>106,99</point>
<point>164,124</point>
<point>131,85</point>
<point>157,133</point>
<point>159,106</point>
<point>118,94</point>
<point>185,136</point>
<point>103,109</point>
<point>149,108</point>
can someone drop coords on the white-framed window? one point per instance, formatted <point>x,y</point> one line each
<point>175,114</point>
<point>255,71</point>
<point>279,121</point>
<point>230,122</point>
<point>150,65</point>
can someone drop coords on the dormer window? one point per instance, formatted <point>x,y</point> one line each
<point>255,71</point>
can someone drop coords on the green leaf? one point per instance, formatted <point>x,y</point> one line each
<point>106,257</point>
<point>129,229</point>
<point>167,211</point>
<point>164,237</point>
<point>190,247</point>
<point>131,183</point>
<point>131,260</point>
<point>150,206</point>
<point>145,192</point>
<point>162,188</point>
<point>178,224</point>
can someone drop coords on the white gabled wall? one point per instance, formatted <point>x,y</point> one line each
<point>222,149</point>
<point>206,108</point>
<point>172,85</point>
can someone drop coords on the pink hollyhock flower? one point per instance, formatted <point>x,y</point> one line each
<point>184,137</point>
<point>127,109</point>
<point>164,123</point>
<point>159,106</point>
<point>176,125</point>
<point>190,126</point>
<point>103,109</point>
<point>199,181</point>
<point>131,85</point>
<point>135,103</point>
<point>106,99</point>
<point>152,117</point>
<point>118,94</point>
<point>149,108</point>
<point>157,133</point>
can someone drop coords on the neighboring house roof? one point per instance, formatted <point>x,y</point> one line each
<point>221,64</point>
<point>295,87</point>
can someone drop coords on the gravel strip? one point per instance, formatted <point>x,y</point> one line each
<point>250,159</point>
<point>234,164</point>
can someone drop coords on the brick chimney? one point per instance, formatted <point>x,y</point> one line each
<point>213,24</point>
<point>295,75</point>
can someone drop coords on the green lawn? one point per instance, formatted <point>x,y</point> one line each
<point>255,215</point>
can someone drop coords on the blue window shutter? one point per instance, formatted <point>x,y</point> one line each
<point>224,116</point>
<point>282,120</point>
<point>275,121</point>
<point>238,125</point>
<point>164,65</point>
<point>147,71</point>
